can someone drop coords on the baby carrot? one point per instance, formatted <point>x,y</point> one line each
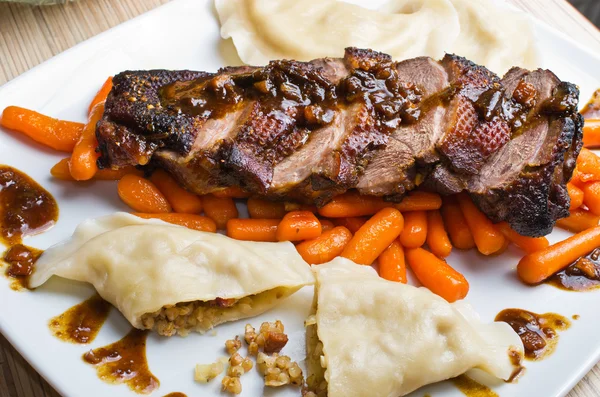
<point>180,199</point>
<point>114,175</point>
<point>392,265</point>
<point>253,229</point>
<point>414,233</point>
<point>352,204</point>
<point>293,206</point>
<point>298,226</point>
<point>576,195</point>
<point>352,223</point>
<point>101,94</point>
<point>455,223</point>
<point>56,134</point>
<point>231,192</point>
<point>488,238</point>
<point>374,236</point>
<point>61,171</point>
<point>527,244</point>
<point>435,274</point>
<point>591,133</point>
<point>219,209</point>
<point>591,197</point>
<point>326,225</point>
<point>419,201</point>
<point>141,195</point>
<point>588,167</point>
<point>265,209</point>
<point>437,238</point>
<point>191,221</point>
<point>538,266</point>
<point>578,221</point>
<point>325,247</point>
<point>83,165</point>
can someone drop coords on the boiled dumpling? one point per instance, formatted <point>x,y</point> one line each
<point>264,30</point>
<point>172,279</point>
<point>373,337</point>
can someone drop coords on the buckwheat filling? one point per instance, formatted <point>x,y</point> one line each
<point>201,316</point>
<point>316,384</point>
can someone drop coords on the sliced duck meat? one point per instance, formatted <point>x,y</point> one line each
<point>307,131</point>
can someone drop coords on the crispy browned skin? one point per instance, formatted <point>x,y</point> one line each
<point>307,131</point>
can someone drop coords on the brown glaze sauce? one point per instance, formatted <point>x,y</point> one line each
<point>472,388</point>
<point>516,359</point>
<point>125,362</point>
<point>81,323</point>
<point>21,262</point>
<point>26,208</point>
<point>582,275</point>
<point>539,332</point>
<point>175,394</point>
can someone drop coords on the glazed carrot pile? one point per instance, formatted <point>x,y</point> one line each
<point>417,233</point>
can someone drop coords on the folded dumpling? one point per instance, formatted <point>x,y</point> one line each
<point>172,279</point>
<point>373,337</point>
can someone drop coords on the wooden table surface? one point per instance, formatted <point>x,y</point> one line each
<point>30,35</point>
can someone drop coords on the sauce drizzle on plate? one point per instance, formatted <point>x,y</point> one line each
<point>125,362</point>
<point>81,323</point>
<point>582,275</point>
<point>472,388</point>
<point>26,208</point>
<point>539,332</point>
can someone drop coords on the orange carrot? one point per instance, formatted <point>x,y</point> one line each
<point>352,204</point>
<point>414,233</point>
<point>293,206</point>
<point>298,226</point>
<point>435,274</point>
<point>420,201</point>
<point>527,244</point>
<point>352,223</point>
<point>56,134</point>
<point>576,195</point>
<point>191,221</point>
<point>61,171</point>
<point>325,247</point>
<point>265,209</point>
<point>83,165</point>
<point>231,192</point>
<point>455,223</point>
<point>538,266</point>
<point>591,197</point>
<point>488,238</point>
<point>374,236</point>
<point>326,225</point>
<point>588,168</point>
<point>591,133</point>
<point>437,238</point>
<point>578,221</point>
<point>219,209</point>
<point>391,263</point>
<point>180,199</point>
<point>253,229</point>
<point>101,94</point>
<point>114,175</point>
<point>141,195</point>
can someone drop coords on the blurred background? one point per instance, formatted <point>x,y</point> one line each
<point>589,8</point>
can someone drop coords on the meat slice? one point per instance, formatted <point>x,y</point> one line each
<point>524,182</point>
<point>308,131</point>
<point>392,170</point>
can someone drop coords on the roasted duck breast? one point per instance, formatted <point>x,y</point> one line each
<point>308,131</point>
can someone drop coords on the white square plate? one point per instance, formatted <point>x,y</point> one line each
<point>184,34</point>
